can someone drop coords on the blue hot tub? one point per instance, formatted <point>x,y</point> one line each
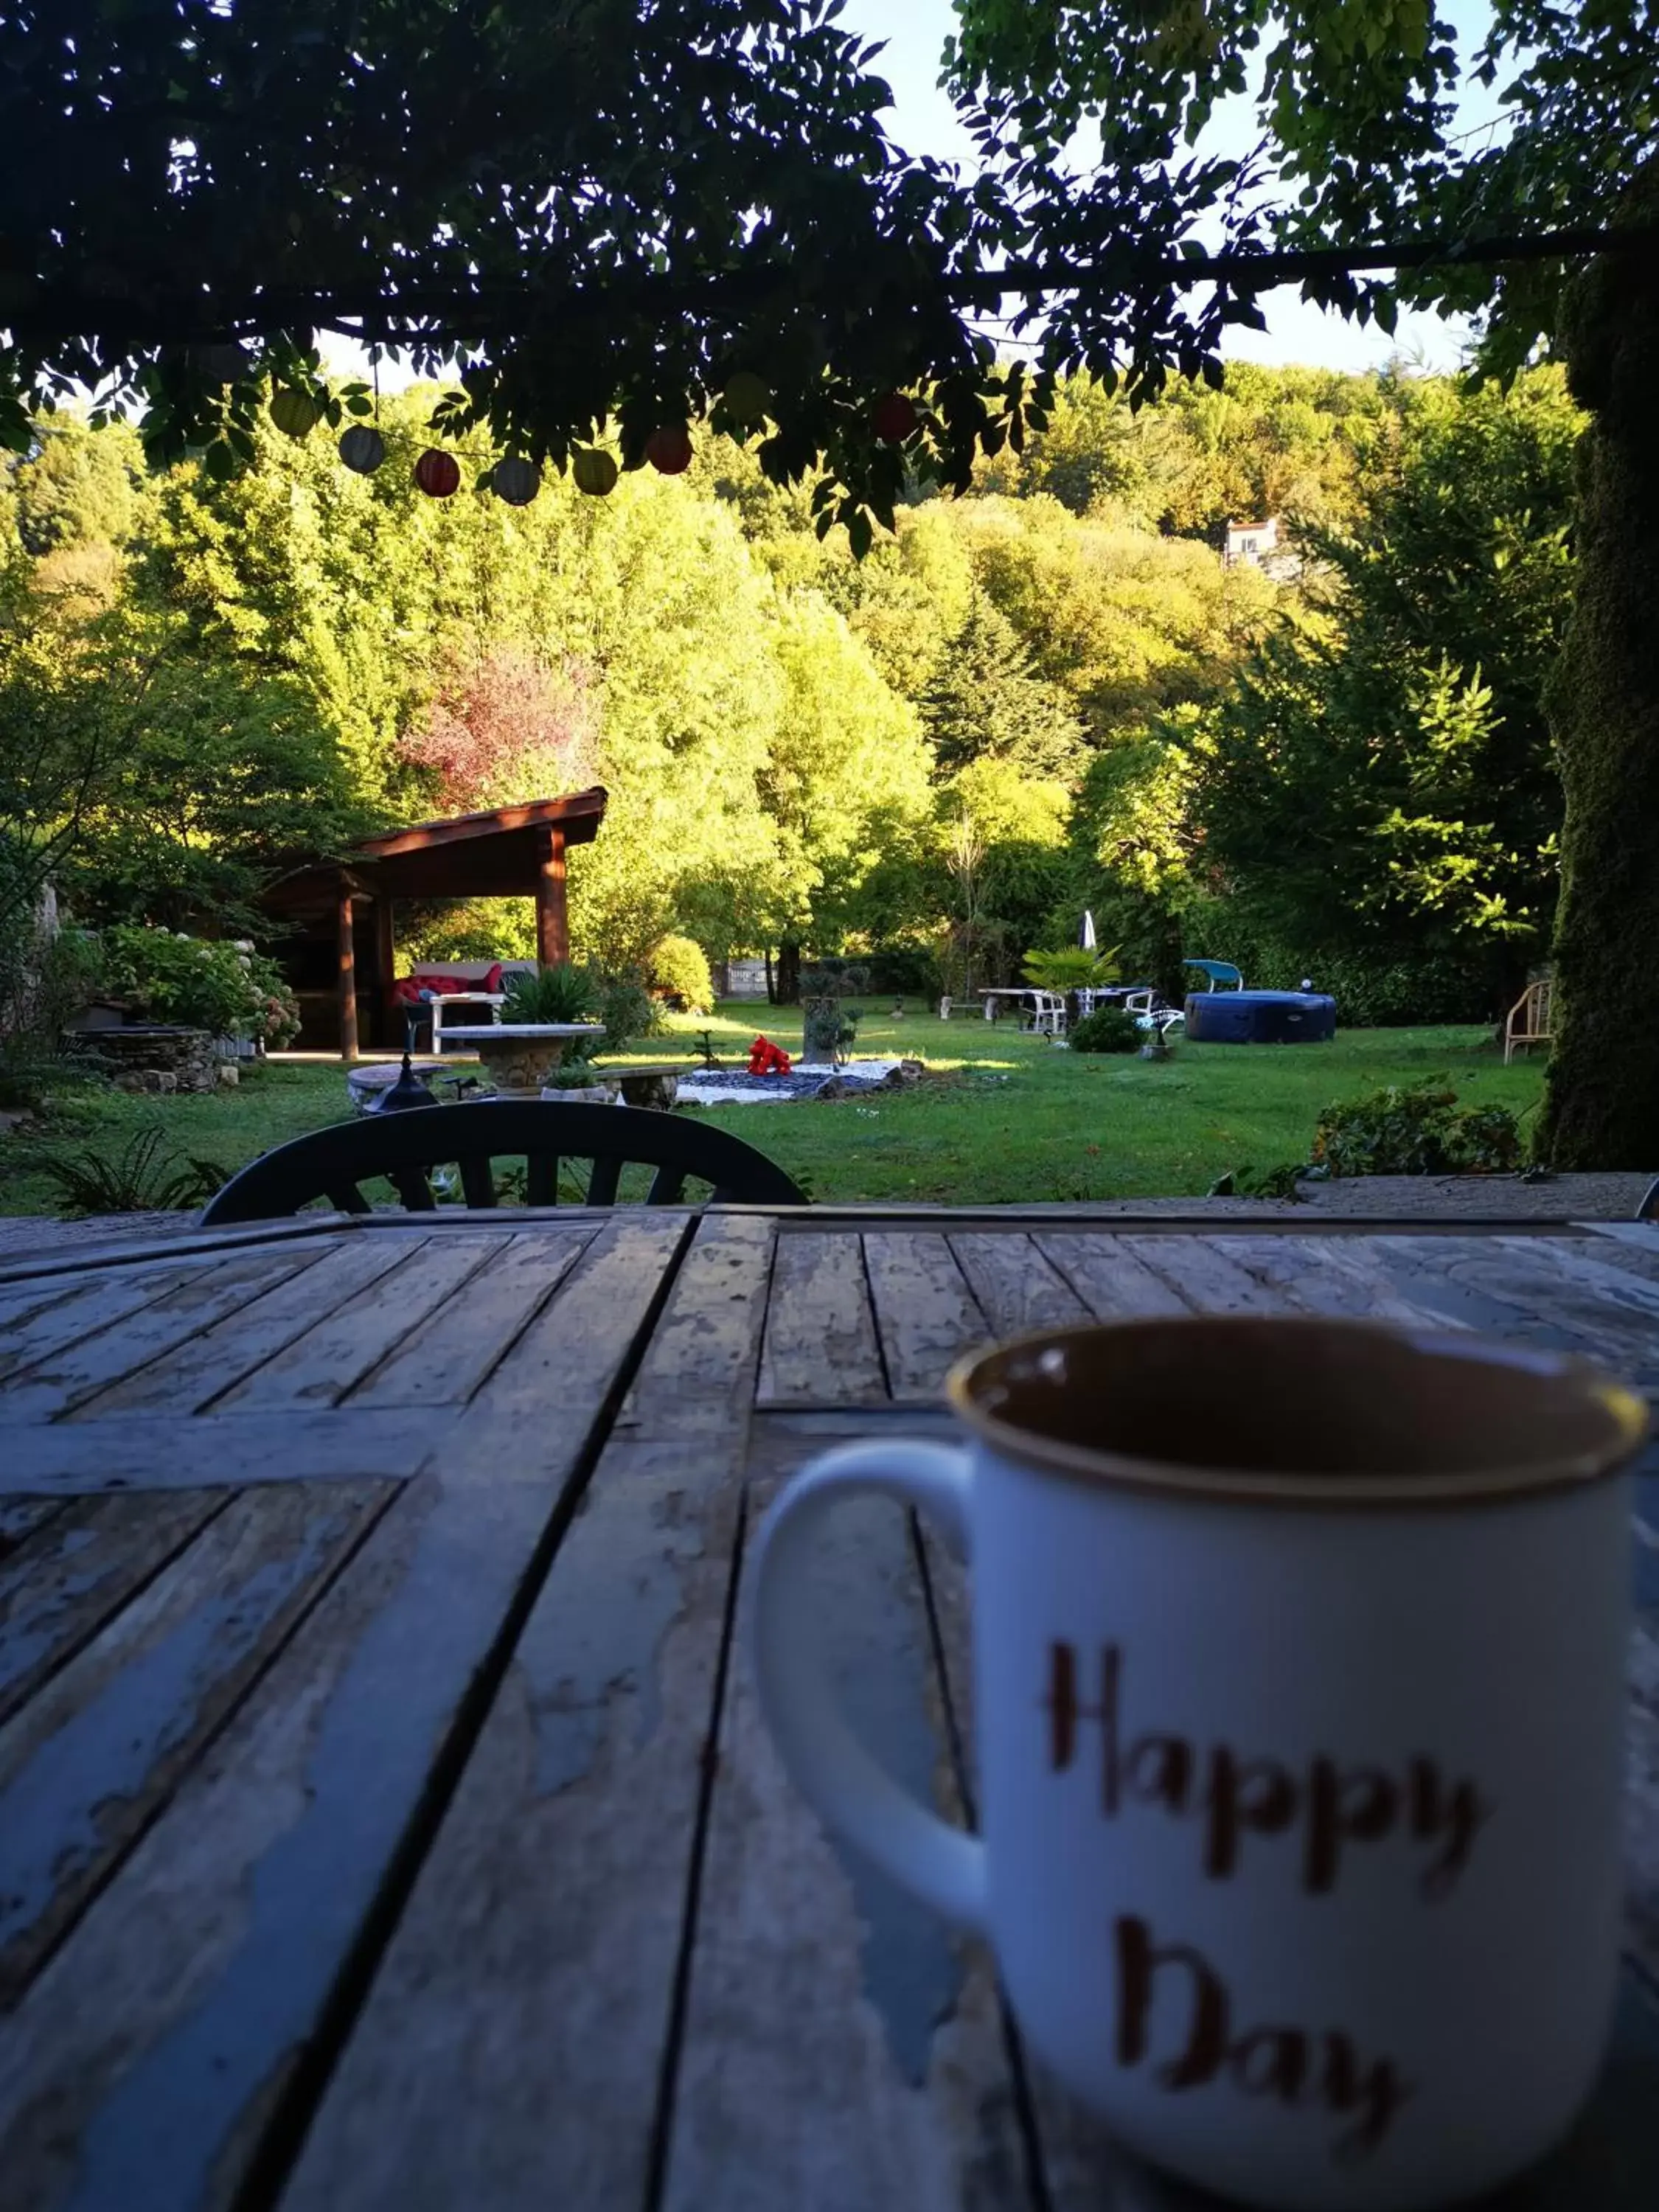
<point>1261,1018</point>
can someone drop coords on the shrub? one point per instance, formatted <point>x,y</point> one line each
<point>679,974</point>
<point>1110,1030</point>
<point>1070,969</point>
<point>201,983</point>
<point>625,1006</point>
<point>909,971</point>
<point>559,993</point>
<point>1415,1129</point>
<point>618,999</point>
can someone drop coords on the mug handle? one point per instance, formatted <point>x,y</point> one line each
<point>925,1854</point>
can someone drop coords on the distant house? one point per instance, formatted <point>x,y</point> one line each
<point>1252,542</point>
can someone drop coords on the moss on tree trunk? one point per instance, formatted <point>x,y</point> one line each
<point>1602,1108</point>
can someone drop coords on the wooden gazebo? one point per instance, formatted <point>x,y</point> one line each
<point>508,852</point>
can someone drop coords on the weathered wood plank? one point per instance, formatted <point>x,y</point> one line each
<point>1513,1288</point>
<point>313,1231</point>
<point>447,1357</point>
<point>20,1300</point>
<point>511,2052</point>
<point>1017,1287</point>
<point>97,1302</point>
<point>186,2016</point>
<point>1608,1270</point>
<point>21,1517</point>
<point>52,1383</point>
<point>631,1254</point>
<point>841,2048</point>
<point>1111,1277</point>
<point>79,1569</point>
<point>1639,1238</point>
<point>322,1365</point>
<point>185,1452</point>
<point>85,1764</point>
<point>1206,1274</point>
<point>820,1327</point>
<point>927,1315</point>
<point>1642,1797</point>
<point>201,1369</point>
<point>1329,1275</point>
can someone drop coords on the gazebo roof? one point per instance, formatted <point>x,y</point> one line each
<point>493,854</point>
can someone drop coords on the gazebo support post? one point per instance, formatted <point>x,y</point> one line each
<point>347,973</point>
<point>386,962</point>
<point>552,920</point>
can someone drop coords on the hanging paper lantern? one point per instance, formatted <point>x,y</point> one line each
<point>594,470</point>
<point>516,480</point>
<point>363,449</point>
<point>438,473</point>
<point>219,364</point>
<point>294,413</point>
<point>745,397</point>
<point>668,449</point>
<point>894,418</point>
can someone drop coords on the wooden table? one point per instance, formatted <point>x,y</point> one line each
<point>386,1819</point>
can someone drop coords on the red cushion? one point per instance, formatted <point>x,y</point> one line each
<point>441,986</point>
<point>492,981</point>
<point>406,991</point>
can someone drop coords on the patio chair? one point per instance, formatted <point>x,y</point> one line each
<point>1531,1019</point>
<point>403,1149</point>
<point>1223,976</point>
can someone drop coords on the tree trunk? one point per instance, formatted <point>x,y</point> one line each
<point>788,974</point>
<point>1601,1106</point>
<point>771,980</point>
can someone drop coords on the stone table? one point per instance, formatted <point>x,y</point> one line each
<point>520,1056</point>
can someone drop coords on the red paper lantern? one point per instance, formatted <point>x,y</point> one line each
<point>438,473</point>
<point>894,418</point>
<point>668,449</point>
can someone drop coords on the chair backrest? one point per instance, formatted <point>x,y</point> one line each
<point>404,1148</point>
<point>1222,974</point>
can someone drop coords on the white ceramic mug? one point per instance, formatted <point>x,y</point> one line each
<point>1298,1673</point>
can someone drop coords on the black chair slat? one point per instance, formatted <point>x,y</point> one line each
<point>603,1181</point>
<point>403,1148</point>
<point>413,1187</point>
<point>477,1184</point>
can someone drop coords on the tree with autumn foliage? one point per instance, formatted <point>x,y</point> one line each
<point>504,724</point>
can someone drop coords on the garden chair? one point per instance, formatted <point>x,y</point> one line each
<point>1531,1019</point>
<point>1223,976</point>
<point>403,1149</point>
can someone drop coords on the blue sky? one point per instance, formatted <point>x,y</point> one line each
<point>923,121</point>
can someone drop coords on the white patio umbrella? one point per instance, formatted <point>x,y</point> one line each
<point>1085,936</point>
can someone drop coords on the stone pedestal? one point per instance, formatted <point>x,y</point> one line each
<point>519,1056</point>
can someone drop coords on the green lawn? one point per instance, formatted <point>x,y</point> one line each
<point>1011,1117</point>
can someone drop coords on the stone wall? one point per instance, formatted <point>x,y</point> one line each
<point>150,1058</point>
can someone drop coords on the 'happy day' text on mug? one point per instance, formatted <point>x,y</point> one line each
<point>1325,1806</point>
